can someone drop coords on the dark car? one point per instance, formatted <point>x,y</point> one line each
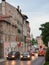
<point>25,56</point>
<point>13,55</point>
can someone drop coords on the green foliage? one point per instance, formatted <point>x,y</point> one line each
<point>45,32</point>
<point>47,63</point>
<point>33,41</point>
<point>47,55</point>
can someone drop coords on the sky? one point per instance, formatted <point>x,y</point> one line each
<point>36,10</point>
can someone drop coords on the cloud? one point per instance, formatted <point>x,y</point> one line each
<point>36,10</point>
<point>36,21</point>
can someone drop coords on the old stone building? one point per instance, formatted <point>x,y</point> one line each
<point>11,27</point>
<point>28,38</point>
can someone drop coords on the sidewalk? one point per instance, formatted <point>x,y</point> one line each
<point>2,60</point>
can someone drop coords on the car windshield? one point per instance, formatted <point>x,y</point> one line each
<point>25,53</point>
<point>13,52</point>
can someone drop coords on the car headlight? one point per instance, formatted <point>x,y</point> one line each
<point>36,54</point>
<point>7,56</point>
<point>28,56</point>
<point>13,56</point>
<point>21,56</point>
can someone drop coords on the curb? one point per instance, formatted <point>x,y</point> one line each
<point>2,60</point>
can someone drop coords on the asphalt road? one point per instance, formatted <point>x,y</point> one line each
<point>38,61</point>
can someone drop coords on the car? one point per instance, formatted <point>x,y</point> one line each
<point>36,49</point>
<point>32,53</point>
<point>25,56</point>
<point>41,52</point>
<point>13,55</point>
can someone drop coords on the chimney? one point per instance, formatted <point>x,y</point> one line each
<point>3,7</point>
<point>3,0</point>
<point>18,7</point>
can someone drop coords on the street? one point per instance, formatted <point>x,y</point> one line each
<point>38,61</point>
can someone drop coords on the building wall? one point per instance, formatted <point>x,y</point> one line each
<point>28,32</point>
<point>9,32</point>
<point>17,19</point>
<point>40,41</point>
<point>0,9</point>
<point>16,16</point>
<point>10,25</point>
<point>27,36</point>
<point>24,29</point>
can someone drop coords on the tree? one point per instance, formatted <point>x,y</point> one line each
<point>33,41</point>
<point>45,32</point>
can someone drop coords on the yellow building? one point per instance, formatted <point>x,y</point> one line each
<point>40,41</point>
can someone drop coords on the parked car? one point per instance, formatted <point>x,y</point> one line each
<point>13,55</point>
<point>25,56</point>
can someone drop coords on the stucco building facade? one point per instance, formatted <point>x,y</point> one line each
<point>40,42</point>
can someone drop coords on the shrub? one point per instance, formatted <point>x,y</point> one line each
<point>47,63</point>
<point>47,55</point>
